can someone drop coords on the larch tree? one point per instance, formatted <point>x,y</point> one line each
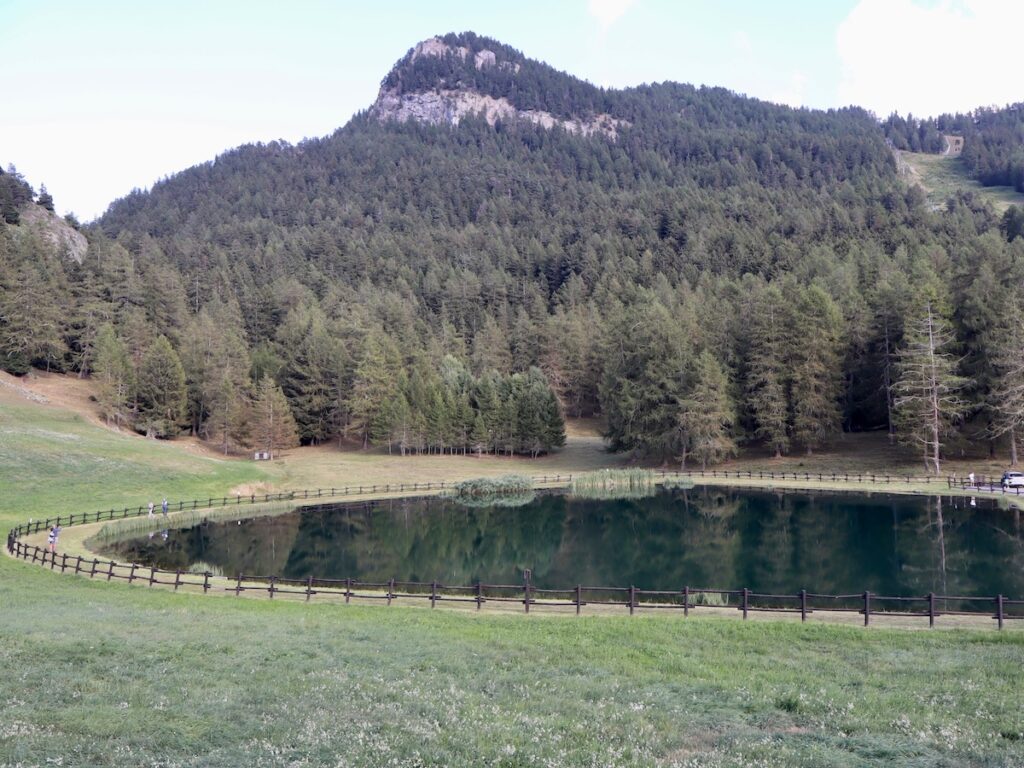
<point>273,426</point>
<point>707,414</point>
<point>928,387</point>
<point>645,352</point>
<point>1007,394</point>
<point>161,391</point>
<point>815,368</point>
<point>768,370</point>
<point>375,383</point>
<point>112,369</point>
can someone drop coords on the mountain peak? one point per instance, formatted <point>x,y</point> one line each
<point>481,58</point>
<point>443,80</point>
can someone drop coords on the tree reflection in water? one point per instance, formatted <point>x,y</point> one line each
<point>771,542</point>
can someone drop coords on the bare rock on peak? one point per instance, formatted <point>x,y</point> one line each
<point>451,106</point>
<point>434,46</point>
<point>484,58</point>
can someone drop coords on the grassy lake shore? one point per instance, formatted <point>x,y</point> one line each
<point>111,675</point>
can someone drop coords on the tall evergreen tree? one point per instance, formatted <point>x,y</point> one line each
<point>375,383</point>
<point>1007,394</point>
<point>928,387</point>
<point>113,372</point>
<point>815,368</point>
<point>768,370</point>
<point>273,426</point>
<point>645,357</point>
<point>161,391</point>
<point>707,414</point>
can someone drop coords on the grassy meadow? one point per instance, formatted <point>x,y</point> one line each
<point>98,674</point>
<point>943,176</point>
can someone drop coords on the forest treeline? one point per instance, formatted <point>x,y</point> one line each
<point>726,271</point>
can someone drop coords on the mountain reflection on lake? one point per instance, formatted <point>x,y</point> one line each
<point>770,542</point>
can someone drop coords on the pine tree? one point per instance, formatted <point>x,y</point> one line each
<point>1007,393</point>
<point>815,368</point>
<point>161,391</point>
<point>927,388</point>
<point>645,356</point>
<point>767,371</point>
<point>273,426</point>
<point>313,364</point>
<point>375,382</point>
<point>45,198</point>
<point>707,414</point>
<point>32,321</point>
<point>229,420</point>
<point>490,349</point>
<point>112,369</point>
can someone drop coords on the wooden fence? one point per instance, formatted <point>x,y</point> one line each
<point>868,604</point>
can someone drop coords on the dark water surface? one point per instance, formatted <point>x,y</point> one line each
<point>826,543</point>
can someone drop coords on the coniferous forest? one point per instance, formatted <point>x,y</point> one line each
<point>720,272</point>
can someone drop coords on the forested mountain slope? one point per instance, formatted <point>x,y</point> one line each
<point>700,267</point>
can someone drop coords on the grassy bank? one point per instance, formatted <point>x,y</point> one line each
<point>98,673</point>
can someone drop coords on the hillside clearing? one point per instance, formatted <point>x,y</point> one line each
<point>943,176</point>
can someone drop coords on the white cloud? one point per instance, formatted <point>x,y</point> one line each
<point>607,12</point>
<point>898,55</point>
<point>793,92</point>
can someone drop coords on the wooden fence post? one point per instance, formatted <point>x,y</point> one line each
<point>632,599</point>
<point>686,601</point>
<point>579,598</point>
<point>270,589</point>
<point>999,611</point>
<point>309,586</point>
<point>131,573</point>
<point>479,594</point>
<point>433,594</point>
<point>177,579</point>
<point>238,585</point>
<point>391,590</point>
<point>867,607</point>
<point>746,601</point>
<point>803,605</point>
<point>931,609</point>
<point>348,590</point>
<point>206,582</point>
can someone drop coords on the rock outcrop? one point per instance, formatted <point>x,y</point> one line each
<point>451,105</point>
<point>54,231</point>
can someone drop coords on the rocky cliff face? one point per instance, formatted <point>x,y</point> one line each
<point>54,230</point>
<point>450,105</point>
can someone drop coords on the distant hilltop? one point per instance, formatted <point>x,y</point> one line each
<point>442,81</point>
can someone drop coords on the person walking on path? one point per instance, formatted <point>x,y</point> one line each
<point>51,539</point>
<point>151,509</point>
<point>163,507</point>
<point>970,479</point>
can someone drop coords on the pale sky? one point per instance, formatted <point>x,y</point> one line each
<point>104,96</point>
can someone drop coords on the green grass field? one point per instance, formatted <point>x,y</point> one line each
<point>111,675</point>
<point>943,177</point>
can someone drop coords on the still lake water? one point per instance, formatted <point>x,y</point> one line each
<point>770,542</point>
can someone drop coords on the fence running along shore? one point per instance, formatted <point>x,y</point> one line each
<point>999,608</point>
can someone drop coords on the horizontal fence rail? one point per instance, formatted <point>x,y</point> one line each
<point>999,608</point>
